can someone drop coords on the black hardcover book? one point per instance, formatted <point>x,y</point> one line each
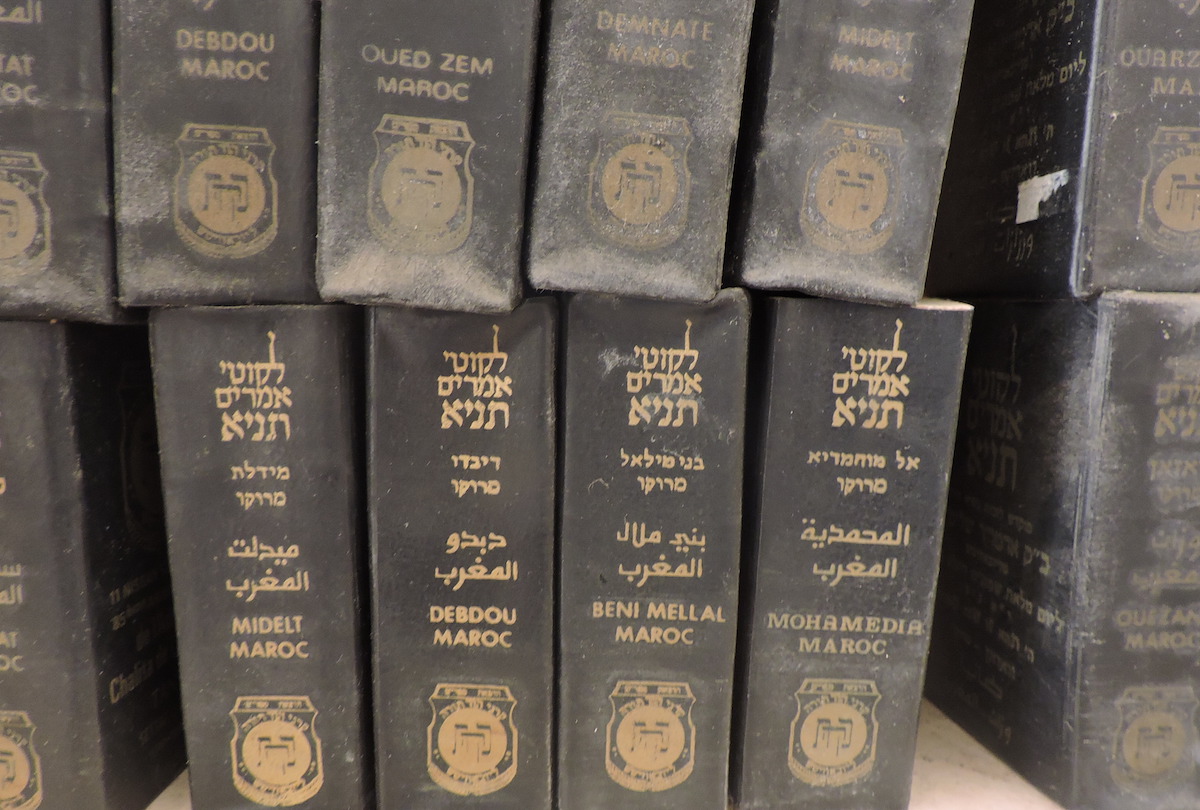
<point>215,122</point>
<point>56,228</point>
<point>855,430</point>
<point>462,533</point>
<point>425,115</point>
<point>1073,165</point>
<point>848,131</point>
<point>635,153</point>
<point>1065,630</point>
<point>652,445</point>
<point>258,418</point>
<point>89,681</point>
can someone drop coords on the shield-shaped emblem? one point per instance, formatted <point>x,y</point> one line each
<point>24,214</point>
<point>472,740</point>
<point>833,736</point>
<point>651,740</point>
<point>422,195</point>
<point>640,182</point>
<point>1170,212</point>
<point>276,751</point>
<point>852,193</point>
<point>1154,744</point>
<point>226,199</point>
<point>20,767</point>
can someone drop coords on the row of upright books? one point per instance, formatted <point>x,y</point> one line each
<point>402,153</point>
<point>428,558</point>
<point>506,487</point>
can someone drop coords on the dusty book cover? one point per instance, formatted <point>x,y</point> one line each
<point>844,142</point>
<point>1072,169</point>
<point>638,129</point>
<point>56,220</point>
<point>260,434</point>
<point>215,160</point>
<point>425,116</point>
<point>652,440</point>
<point>462,518</point>
<point>1066,637</point>
<point>855,412</point>
<point>89,682</point>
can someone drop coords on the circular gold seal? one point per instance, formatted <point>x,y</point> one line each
<point>421,186</point>
<point>18,768</point>
<point>479,750</point>
<point>639,183</point>
<point>273,752</point>
<point>852,189</point>
<point>1175,210</point>
<point>1154,761</point>
<point>834,750</point>
<point>19,225</point>
<point>226,194</point>
<point>651,738</point>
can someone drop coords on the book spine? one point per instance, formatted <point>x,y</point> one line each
<point>56,224</point>
<point>1138,583</point>
<point>846,162</point>
<point>854,456</point>
<point>638,130</point>
<point>1143,185</point>
<point>425,114</point>
<point>462,526</point>
<point>1018,161</point>
<point>1001,663</point>
<point>215,123</point>
<point>257,420</point>
<point>89,703</point>
<point>654,410</point>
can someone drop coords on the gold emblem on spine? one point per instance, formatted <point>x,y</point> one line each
<point>276,751</point>
<point>833,735</point>
<point>472,740</point>
<point>24,214</point>
<point>422,194</point>
<point>851,196</point>
<point>1152,749</point>
<point>640,183</point>
<point>226,200</point>
<point>1170,213</point>
<point>651,740</point>
<point>20,767</point>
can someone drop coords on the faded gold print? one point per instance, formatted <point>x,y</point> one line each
<point>851,194</point>
<point>276,753</point>
<point>226,198</point>
<point>651,740</point>
<point>20,766</point>
<point>1170,213</point>
<point>1157,732</point>
<point>833,736</point>
<point>421,190</point>
<point>24,213</point>
<point>640,182</point>
<point>472,739</point>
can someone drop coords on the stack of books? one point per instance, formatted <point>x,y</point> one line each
<point>551,413</point>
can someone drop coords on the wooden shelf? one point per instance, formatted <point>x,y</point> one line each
<point>952,772</point>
